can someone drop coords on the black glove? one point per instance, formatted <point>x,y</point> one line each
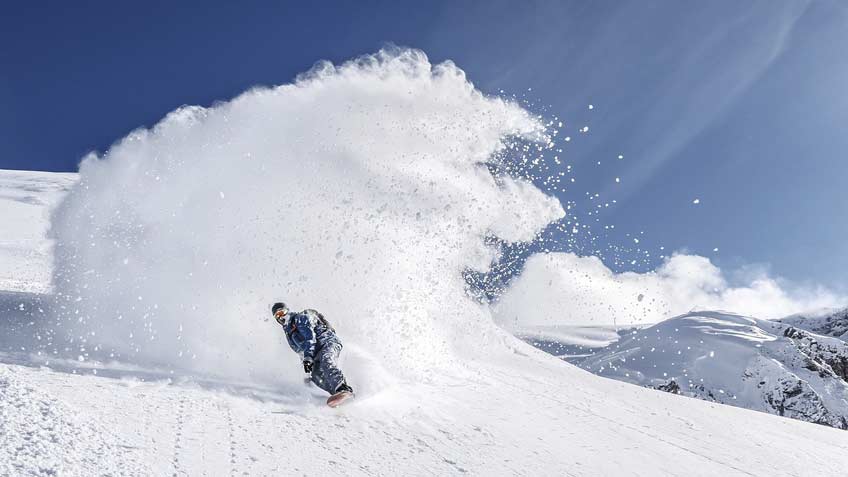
<point>307,366</point>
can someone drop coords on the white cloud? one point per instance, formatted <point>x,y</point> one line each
<point>564,289</point>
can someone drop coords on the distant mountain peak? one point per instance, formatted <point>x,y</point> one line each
<point>769,366</point>
<point>828,322</point>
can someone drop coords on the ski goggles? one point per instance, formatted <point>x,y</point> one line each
<point>279,314</point>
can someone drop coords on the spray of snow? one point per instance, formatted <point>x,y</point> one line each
<point>565,289</point>
<point>359,190</point>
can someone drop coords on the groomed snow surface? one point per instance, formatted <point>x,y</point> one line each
<point>357,190</point>
<point>530,415</point>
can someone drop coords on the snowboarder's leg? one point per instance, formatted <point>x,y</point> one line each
<point>326,373</point>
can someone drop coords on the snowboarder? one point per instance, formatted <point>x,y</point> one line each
<point>311,335</point>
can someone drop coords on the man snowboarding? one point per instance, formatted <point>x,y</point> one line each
<point>311,335</point>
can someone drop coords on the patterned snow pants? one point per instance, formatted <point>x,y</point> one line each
<point>325,370</point>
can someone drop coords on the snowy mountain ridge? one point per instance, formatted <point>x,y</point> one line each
<point>757,364</point>
<point>828,323</point>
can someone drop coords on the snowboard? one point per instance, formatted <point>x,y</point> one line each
<point>339,398</point>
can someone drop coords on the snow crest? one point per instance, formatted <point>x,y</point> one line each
<point>360,190</point>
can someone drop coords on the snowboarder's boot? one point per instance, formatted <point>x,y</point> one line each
<point>343,393</point>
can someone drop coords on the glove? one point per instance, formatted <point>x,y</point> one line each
<point>307,366</point>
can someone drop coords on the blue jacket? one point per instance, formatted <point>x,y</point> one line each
<point>306,331</point>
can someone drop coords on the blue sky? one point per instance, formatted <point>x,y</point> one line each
<point>741,105</point>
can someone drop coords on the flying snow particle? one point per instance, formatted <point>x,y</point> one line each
<point>696,201</point>
<point>618,179</point>
<point>620,156</point>
<point>591,106</point>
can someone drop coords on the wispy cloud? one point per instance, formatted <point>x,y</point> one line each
<point>715,72</point>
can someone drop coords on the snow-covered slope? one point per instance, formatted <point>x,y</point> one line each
<point>358,190</point>
<point>756,364</point>
<point>25,256</point>
<point>572,343</point>
<point>531,416</point>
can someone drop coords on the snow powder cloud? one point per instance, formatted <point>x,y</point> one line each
<point>358,190</point>
<point>565,289</point>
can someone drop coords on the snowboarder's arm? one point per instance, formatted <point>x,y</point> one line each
<point>304,327</point>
